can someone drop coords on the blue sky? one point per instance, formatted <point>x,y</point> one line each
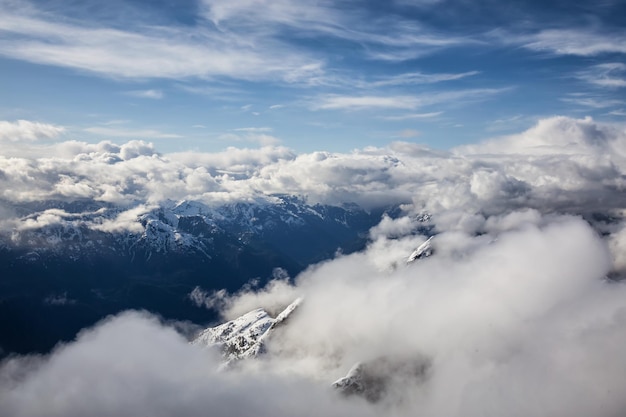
<point>309,75</point>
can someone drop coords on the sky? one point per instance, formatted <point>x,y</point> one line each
<point>504,121</point>
<point>308,75</point>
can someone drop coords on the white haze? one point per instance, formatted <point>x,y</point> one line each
<point>514,313</point>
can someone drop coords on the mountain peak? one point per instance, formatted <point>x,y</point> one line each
<point>423,251</point>
<point>245,336</point>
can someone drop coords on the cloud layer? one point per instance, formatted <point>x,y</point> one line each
<point>137,367</point>
<point>518,321</point>
<point>519,311</point>
<point>560,164</point>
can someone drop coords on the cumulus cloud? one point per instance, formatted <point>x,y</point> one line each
<point>137,366</point>
<point>124,221</point>
<point>389,227</point>
<point>46,218</point>
<point>27,130</point>
<point>520,311</point>
<point>559,165</point>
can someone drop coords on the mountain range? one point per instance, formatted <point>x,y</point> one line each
<point>66,265</point>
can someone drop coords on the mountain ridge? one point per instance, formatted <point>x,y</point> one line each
<point>95,259</point>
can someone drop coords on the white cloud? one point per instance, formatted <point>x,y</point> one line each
<point>152,94</point>
<point>419,78</point>
<point>493,314</point>
<point>556,136</point>
<point>593,102</point>
<point>146,52</point>
<point>212,300</point>
<point>403,102</point>
<point>390,228</point>
<point>27,130</point>
<point>523,309</point>
<point>617,245</point>
<point>250,159</point>
<point>281,11</point>
<point>124,221</point>
<point>249,40</point>
<point>605,75</point>
<point>412,116</point>
<point>253,129</point>
<point>403,79</point>
<point>139,367</point>
<point>576,42</point>
<point>391,38</point>
<point>71,188</point>
<point>333,102</point>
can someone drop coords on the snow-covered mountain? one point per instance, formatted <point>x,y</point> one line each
<point>80,230</point>
<point>245,336</point>
<point>99,258</point>
<point>424,250</point>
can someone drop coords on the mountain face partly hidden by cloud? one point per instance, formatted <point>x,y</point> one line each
<point>520,310</point>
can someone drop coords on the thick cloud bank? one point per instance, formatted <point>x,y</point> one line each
<point>559,164</point>
<point>515,322</point>
<point>131,365</point>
